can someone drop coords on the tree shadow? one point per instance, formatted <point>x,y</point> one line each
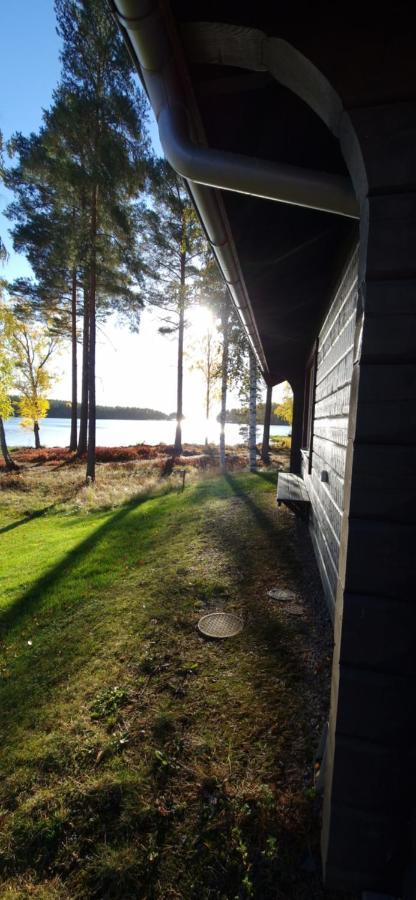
<point>261,518</point>
<point>38,513</point>
<point>252,559</point>
<point>23,605</point>
<point>73,603</point>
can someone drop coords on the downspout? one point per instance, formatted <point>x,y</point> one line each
<point>204,167</point>
<point>147,42</point>
<point>219,168</point>
<point>248,175</point>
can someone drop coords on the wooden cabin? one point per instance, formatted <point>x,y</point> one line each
<point>295,128</point>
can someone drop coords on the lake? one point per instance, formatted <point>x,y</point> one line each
<point>126,432</point>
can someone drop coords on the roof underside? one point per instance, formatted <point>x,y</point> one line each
<point>291,257</point>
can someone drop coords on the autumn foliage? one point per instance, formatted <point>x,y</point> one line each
<point>191,456</point>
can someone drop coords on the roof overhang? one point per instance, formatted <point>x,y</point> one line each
<point>264,170</point>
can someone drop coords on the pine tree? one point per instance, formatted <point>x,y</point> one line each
<point>6,366</point>
<point>76,185</point>
<point>3,251</point>
<point>252,411</point>
<point>172,245</point>
<point>214,293</point>
<point>48,229</point>
<point>6,379</point>
<point>109,147</point>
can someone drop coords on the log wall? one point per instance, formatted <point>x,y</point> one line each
<point>330,427</point>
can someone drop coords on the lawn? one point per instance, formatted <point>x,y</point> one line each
<point>140,760</point>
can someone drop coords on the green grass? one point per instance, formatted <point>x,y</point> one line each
<point>138,759</point>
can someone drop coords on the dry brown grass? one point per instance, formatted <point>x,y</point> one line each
<point>54,478</point>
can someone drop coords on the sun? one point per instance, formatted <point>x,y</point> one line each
<point>201,321</point>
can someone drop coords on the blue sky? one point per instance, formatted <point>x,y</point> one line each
<point>29,71</point>
<point>135,370</point>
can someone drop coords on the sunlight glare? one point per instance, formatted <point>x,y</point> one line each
<point>200,320</point>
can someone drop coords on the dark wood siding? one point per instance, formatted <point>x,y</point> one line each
<point>330,427</point>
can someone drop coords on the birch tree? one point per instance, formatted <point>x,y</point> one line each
<point>284,410</point>
<point>206,357</point>
<point>33,349</point>
<point>265,447</point>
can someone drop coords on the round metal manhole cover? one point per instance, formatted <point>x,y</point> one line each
<point>220,625</point>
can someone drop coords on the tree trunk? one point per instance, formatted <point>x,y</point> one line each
<point>225,328</point>
<point>179,402</point>
<point>8,461</point>
<point>208,391</point>
<point>83,424</point>
<point>90,474</point>
<point>265,449</point>
<point>252,413</point>
<point>36,432</point>
<point>74,388</point>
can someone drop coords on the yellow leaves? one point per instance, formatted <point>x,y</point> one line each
<point>32,408</point>
<point>6,363</point>
<point>25,350</point>
<point>6,408</point>
<point>285,409</point>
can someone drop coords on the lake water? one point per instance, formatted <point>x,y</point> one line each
<point>126,432</point>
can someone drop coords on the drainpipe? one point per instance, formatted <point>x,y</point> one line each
<point>148,45</point>
<point>218,168</point>
<point>247,175</point>
<point>147,37</point>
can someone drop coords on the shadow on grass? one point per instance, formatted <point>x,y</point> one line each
<point>251,550</point>
<point>81,596</point>
<point>261,518</point>
<point>12,615</point>
<point>245,532</point>
<point>38,513</point>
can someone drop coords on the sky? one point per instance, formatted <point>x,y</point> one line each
<point>132,369</point>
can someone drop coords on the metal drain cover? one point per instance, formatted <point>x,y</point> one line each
<point>220,625</point>
<point>281,594</point>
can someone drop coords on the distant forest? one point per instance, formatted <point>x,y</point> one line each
<point>240,416</point>
<point>61,409</point>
